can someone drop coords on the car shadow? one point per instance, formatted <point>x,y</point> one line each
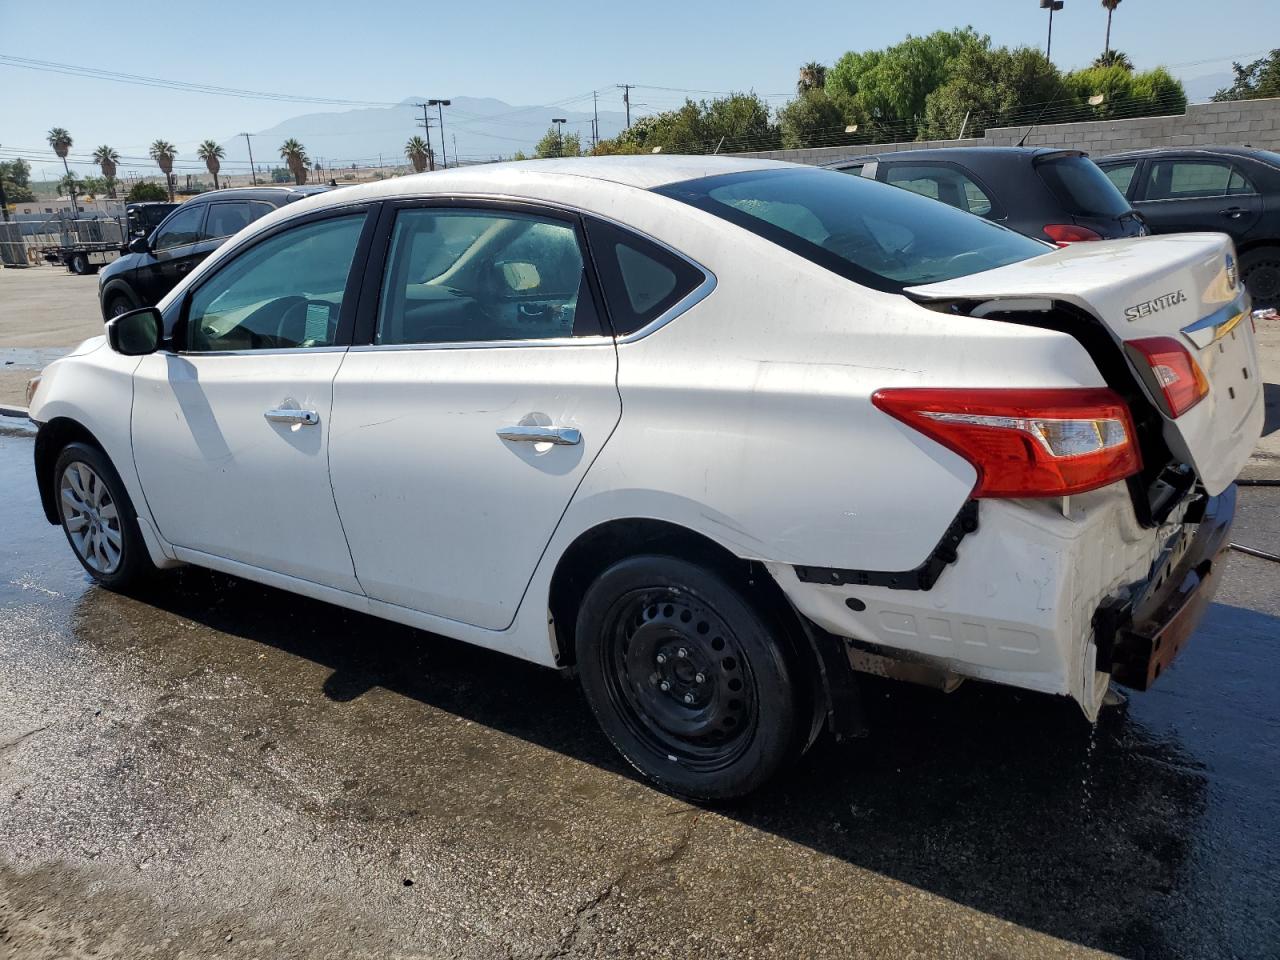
<point>1006,802</point>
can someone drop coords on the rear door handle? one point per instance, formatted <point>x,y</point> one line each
<point>288,415</point>
<point>563,436</point>
<point>1235,213</point>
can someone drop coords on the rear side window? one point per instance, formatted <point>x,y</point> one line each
<point>873,234</point>
<point>641,280</point>
<point>1190,179</point>
<point>227,218</point>
<point>1081,187</point>
<point>941,182</point>
<point>1121,175</point>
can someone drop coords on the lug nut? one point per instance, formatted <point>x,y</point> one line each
<point>662,658</point>
<point>664,686</point>
<point>688,698</point>
<point>682,653</point>
<point>700,677</point>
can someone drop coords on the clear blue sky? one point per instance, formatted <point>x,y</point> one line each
<point>520,52</point>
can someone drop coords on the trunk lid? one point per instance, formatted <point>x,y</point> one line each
<point>1184,286</point>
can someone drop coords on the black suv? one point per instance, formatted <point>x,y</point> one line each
<point>155,264</point>
<point>1232,190</point>
<point>1059,196</point>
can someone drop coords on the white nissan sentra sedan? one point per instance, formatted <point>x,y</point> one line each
<point>716,434</point>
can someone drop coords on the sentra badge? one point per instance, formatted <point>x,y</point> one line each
<point>1155,305</point>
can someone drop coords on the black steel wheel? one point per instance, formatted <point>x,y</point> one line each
<point>687,678</point>
<point>1260,271</point>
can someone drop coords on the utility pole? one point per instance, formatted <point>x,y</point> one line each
<point>426,125</point>
<point>559,134</point>
<point>253,171</point>
<point>595,121</point>
<point>1050,5</point>
<point>440,105</point>
<point>626,99</point>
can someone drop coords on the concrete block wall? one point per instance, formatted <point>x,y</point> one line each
<point>1254,123</point>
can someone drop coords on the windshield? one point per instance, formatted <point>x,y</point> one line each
<point>878,235</point>
<point>1082,188</point>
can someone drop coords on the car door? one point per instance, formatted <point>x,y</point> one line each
<point>231,427</point>
<point>172,248</point>
<point>1191,193</point>
<point>483,390</point>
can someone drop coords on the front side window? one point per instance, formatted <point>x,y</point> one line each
<point>1191,179</point>
<point>866,231</point>
<point>941,182</point>
<point>285,292</point>
<point>183,228</point>
<point>230,217</point>
<point>462,275</point>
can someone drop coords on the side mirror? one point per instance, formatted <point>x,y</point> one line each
<point>139,245</point>
<point>136,333</point>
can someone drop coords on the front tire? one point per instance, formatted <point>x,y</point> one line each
<point>79,265</point>
<point>693,686</point>
<point>117,303</point>
<point>98,517</point>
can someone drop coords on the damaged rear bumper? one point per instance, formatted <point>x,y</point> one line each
<point>1138,633</point>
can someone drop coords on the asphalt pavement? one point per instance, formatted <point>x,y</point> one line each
<point>218,769</point>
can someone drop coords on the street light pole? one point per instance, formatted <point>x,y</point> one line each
<point>444,156</point>
<point>253,171</point>
<point>1050,5</point>
<point>559,134</point>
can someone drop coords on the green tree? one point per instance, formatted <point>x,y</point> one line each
<point>1253,81</point>
<point>16,175</point>
<point>733,123</point>
<point>106,158</point>
<point>212,155</point>
<point>419,153</point>
<point>1113,58</point>
<point>1124,93</point>
<point>888,88</point>
<point>163,153</point>
<point>93,186</point>
<point>294,154</point>
<point>558,144</point>
<point>999,87</point>
<point>144,191</point>
<point>519,155</point>
<point>1110,7</point>
<point>813,76</point>
<point>813,119</point>
<point>61,142</point>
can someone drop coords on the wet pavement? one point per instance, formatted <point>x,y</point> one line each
<point>221,769</point>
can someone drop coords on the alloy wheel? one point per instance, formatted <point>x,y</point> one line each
<point>90,516</point>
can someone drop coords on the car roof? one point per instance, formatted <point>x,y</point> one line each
<point>269,194</point>
<point>960,154</point>
<point>1169,151</point>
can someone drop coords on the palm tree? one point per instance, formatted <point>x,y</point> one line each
<point>163,153</point>
<point>1114,58</point>
<point>107,158</point>
<point>418,151</point>
<point>212,154</point>
<point>295,157</point>
<point>1110,7</point>
<point>813,76</point>
<point>61,142</point>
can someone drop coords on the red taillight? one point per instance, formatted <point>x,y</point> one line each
<point>1026,443</point>
<point>1178,380</point>
<point>1065,233</point>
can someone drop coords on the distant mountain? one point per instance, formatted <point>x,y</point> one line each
<point>483,128</point>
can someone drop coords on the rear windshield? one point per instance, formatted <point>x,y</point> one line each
<point>870,232</point>
<point>1082,188</point>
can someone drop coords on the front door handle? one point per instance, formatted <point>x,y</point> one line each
<point>288,415</point>
<point>563,436</point>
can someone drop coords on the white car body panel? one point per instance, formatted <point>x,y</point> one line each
<point>746,419</point>
<point>1182,280</point>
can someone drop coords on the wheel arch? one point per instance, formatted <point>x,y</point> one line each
<point>50,440</point>
<point>828,678</point>
<point>116,285</point>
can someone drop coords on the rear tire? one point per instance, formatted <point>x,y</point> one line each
<point>690,682</point>
<point>1260,271</point>
<point>98,518</point>
<point>79,265</point>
